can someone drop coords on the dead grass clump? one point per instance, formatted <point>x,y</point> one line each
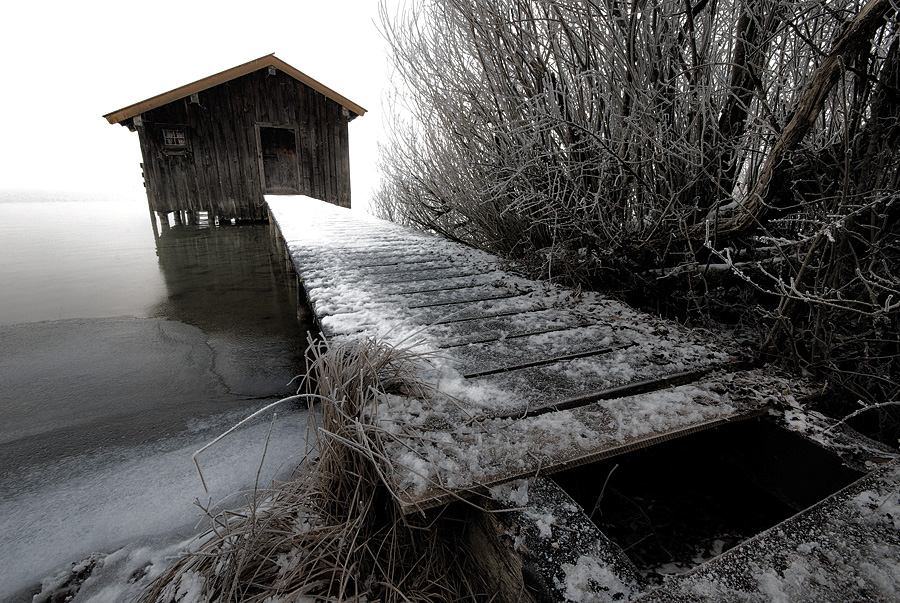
<point>333,532</point>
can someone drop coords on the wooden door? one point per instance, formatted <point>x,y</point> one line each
<point>279,164</point>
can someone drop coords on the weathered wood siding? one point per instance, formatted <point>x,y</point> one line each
<point>219,170</point>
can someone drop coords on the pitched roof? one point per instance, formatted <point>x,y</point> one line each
<point>229,74</point>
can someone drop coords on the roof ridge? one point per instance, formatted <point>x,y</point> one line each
<point>269,60</point>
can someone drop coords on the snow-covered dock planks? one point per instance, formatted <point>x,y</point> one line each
<point>530,377</point>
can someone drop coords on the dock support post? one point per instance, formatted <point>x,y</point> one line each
<point>155,226</point>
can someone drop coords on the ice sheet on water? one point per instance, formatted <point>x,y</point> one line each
<point>142,495</point>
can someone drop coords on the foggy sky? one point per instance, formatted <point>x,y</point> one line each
<point>66,64</point>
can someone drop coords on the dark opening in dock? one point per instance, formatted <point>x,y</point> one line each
<point>675,505</point>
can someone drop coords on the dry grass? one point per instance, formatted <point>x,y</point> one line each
<point>333,532</point>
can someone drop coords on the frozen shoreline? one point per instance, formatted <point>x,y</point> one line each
<point>139,501</point>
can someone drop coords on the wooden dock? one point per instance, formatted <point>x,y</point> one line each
<point>531,378</point>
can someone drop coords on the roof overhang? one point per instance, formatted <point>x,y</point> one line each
<point>206,83</point>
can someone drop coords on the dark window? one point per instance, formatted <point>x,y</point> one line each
<point>173,138</point>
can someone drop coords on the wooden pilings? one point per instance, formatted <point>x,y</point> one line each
<point>162,220</point>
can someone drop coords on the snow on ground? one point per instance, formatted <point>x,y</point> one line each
<point>137,499</point>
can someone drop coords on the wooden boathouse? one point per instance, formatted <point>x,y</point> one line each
<point>219,144</point>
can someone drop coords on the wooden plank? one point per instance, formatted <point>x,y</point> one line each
<point>231,101</point>
<point>321,157</point>
<point>528,449</point>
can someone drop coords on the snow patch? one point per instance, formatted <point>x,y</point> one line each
<point>515,493</point>
<point>589,581</point>
<point>142,495</point>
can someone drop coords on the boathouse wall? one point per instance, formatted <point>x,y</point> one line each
<point>221,149</point>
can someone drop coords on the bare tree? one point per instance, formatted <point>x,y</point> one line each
<point>737,155</point>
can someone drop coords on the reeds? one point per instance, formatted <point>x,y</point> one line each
<point>333,532</point>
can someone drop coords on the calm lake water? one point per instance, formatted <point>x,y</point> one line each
<point>120,352</point>
<point>76,256</point>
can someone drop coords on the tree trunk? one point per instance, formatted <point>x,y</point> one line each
<point>729,220</point>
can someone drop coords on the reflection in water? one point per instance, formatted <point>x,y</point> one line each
<point>225,278</point>
<point>229,282</point>
<point>74,256</point>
